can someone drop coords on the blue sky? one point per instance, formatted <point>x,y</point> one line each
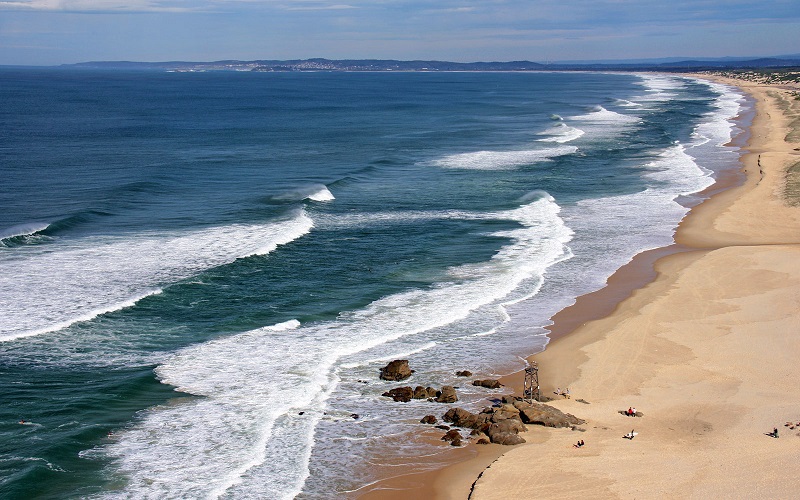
<point>44,32</point>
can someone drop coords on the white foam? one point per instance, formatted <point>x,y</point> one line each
<point>679,171</point>
<point>323,194</point>
<point>562,133</point>
<point>49,288</point>
<point>292,324</point>
<point>628,104</point>
<point>718,127</point>
<point>601,115</point>
<point>247,425</point>
<point>313,192</point>
<point>501,160</point>
<point>660,87</point>
<point>23,229</point>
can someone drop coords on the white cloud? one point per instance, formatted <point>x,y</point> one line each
<point>320,7</point>
<point>91,6</point>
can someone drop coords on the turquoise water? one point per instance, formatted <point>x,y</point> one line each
<point>203,272</point>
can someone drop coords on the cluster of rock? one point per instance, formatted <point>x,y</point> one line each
<point>447,394</point>
<point>499,424</point>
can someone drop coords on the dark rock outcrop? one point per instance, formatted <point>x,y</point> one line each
<point>464,373</point>
<point>401,394</point>
<point>453,436</point>
<point>541,414</point>
<point>498,425</point>
<point>488,383</point>
<point>447,395</point>
<point>460,417</point>
<point>396,370</point>
<point>429,419</point>
<point>424,392</point>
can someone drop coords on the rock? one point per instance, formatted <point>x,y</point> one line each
<point>424,392</point>
<point>488,383</point>
<point>499,425</point>
<point>443,427</point>
<point>483,440</point>
<point>512,425</point>
<point>460,417</point>
<point>452,435</point>
<point>402,394</point>
<point>428,419</point>
<point>540,414</point>
<point>506,438</point>
<point>447,395</point>
<point>396,370</point>
<point>506,432</point>
<point>464,373</point>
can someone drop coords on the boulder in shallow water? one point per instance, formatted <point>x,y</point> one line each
<point>401,394</point>
<point>429,419</point>
<point>488,383</point>
<point>453,436</point>
<point>396,370</point>
<point>424,392</point>
<point>447,395</point>
<point>464,373</point>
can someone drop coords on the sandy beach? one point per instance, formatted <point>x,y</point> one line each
<point>707,353</point>
<point>698,337</point>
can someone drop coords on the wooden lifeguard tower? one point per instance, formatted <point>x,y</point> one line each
<point>530,391</point>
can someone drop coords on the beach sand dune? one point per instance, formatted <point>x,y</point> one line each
<point>709,352</point>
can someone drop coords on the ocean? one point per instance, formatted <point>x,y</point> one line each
<point>202,273</point>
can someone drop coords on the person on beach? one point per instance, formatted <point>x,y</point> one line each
<point>633,412</point>
<point>629,412</point>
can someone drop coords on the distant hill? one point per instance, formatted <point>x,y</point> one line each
<point>394,65</point>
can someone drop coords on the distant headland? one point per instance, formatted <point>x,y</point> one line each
<point>364,65</point>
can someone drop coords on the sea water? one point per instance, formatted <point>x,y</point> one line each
<point>202,273</point>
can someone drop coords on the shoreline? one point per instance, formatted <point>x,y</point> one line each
<point>704,350</point>
<point>561,364</point>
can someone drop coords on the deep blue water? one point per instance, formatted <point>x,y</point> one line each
<point>263,243</point>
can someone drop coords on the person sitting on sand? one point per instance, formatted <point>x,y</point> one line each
<point>633,412</point>
<point>566,393</point>
<point>630,435</point>
<point>629,412</point>
<point>557,392</point>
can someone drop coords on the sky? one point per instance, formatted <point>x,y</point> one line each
<point>49,32</point>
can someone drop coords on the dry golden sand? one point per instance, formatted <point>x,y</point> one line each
<point>709,352</point>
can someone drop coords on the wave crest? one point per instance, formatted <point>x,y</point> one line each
<point>501,160</point>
